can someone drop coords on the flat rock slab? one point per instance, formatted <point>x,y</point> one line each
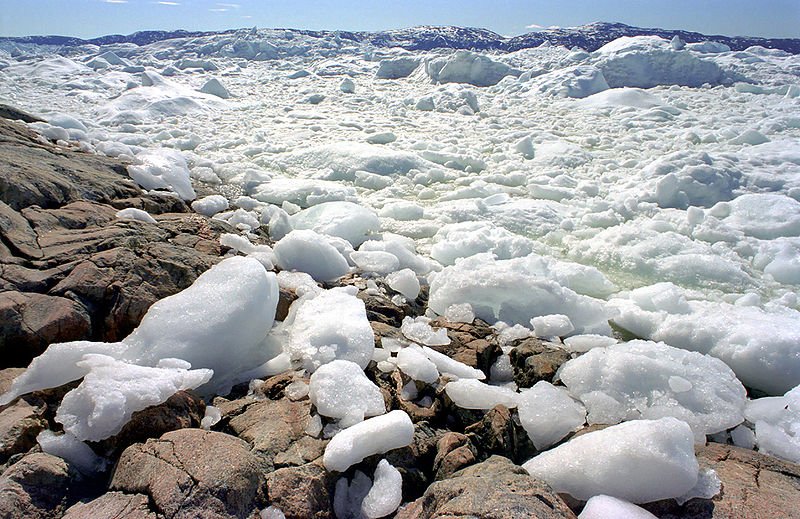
<point>494,489</point>
<point>754,486</point>
<point>113,505</point>
<point>193,473</point>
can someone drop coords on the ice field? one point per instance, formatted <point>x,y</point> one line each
<point>647,190</point>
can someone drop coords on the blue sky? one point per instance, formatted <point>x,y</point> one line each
<point>89,18</point>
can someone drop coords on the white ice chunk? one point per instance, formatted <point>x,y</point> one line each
<point>405,281</point>
<point>212,416</point>
<point>460,313</point>
<point>113,390</point>
<point>548,413</point>
<point>584,343</point>
<point>210,205</point>
<point>419,330</point>
<point>641,379</point>
<point>607,507</point>
<point>73,450</point>
<point>708,485</point>
<point>345,220</point>
<point>219,322</point>
<point>416,365</point>
<point>215,88</point>
<point>309,252</point>
<point>777,421</point>
<point>340,388</point>
<point>132,213</point>
<point>332,325</point>
<point>374,436</point>
<point>512,291</point>
<point>733,333</point>
<point>163,169</point>
<point>450,366</point>
<point>378,262</point>
<point>473,394</point>
<point>58,365</point>
<point>386,493</point>
<point>347,497</point>
<point>556,325</point>
<point>638,461</point>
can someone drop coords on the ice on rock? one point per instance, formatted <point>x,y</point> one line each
<point>132,213</point>
<point>466,67</point>
<point>641,379</point>
<point>416,365</point>
<point>638,461</point>
<point>419,330</point>
<point>744,437</point>
<point>71,449</point>
<point>731,333</point>
<point>777,424</point>
<point>556,325</point>
<point>548,414</point>
<point>346,220</point>
<point>373,436</point>
<point>163,169</point>
<point>469,393</point>
<point>210,205</point>
<point>298,282</point>
<point>379,262</point>
<point>215,88</point>
<point>58,365</point>
<point>451,366</point>
<point>332,325</point>
<point>212,417</point>
<point>219,323</point>
<point>406,283</point>
<point>386,493</point>
<point>708,485</point>
<point>309,252</point>
<point>459,313</point>
<point>514,290</point>
<point>271,512</point>
<point>648,61</point>
<point>113,390</point>
<point>607,507</point>
<point>340,389</point>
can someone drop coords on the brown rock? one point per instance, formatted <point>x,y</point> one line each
<point>33,173</point>
<point>183,410</point>
<point>494,489</point>
<point>469,343</point>
<point>17,234</point>
<point>753,486</point>
<point>113,505</point>
<point>497,433</point>
<point>533,361</point>
<point>193,473</point>
<point>277,427</point>
<point>29,322</point>
<point>304,492</point>
<point>454,451</point>
<point>20,422</point>
<point>39,486</point>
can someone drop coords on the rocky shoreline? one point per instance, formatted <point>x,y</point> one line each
<point>70,269</point>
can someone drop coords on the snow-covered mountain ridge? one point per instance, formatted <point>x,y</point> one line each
<point>589,37</point>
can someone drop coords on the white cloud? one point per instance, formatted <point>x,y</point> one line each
<point>230,6</point>
<point>165,2</point>
<point>115,1</point>
<point>534,26</point>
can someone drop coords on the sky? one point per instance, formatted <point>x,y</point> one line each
<point>91,18</point>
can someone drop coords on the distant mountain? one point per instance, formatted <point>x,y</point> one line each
<point>594,35</point>
<point>588,37</point>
